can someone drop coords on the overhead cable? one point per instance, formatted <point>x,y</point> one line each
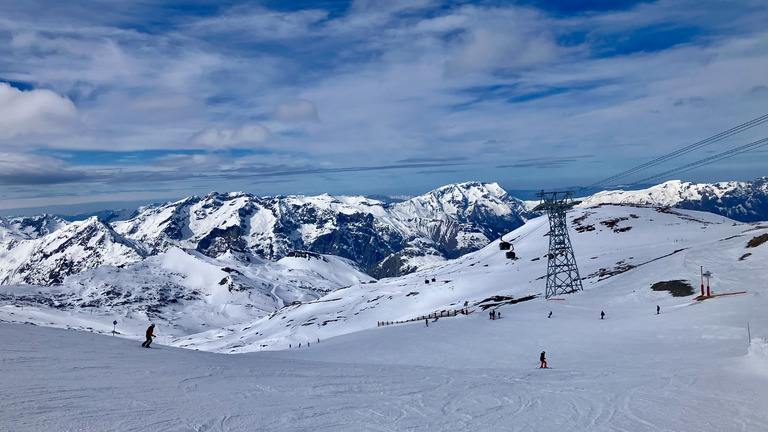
<point>706,161</point>
<point>715,138</point>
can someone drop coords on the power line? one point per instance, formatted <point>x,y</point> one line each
<point>708,160</point>
<point>715,138</point>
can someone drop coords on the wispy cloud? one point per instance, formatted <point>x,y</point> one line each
<point>245,136</point>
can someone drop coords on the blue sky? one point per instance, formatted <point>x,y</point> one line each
<point>152,101</point>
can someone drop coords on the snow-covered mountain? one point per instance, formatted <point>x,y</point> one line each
<point>444,223</point>
<point>651,244</point>
<point>220,304</point>
<point>368,357</point>
<point>687,368</point>
<point>741,201</point>
<point>191,292</point>
<point>27,228</point>
<point>383,238</point>
<point>70,249</point>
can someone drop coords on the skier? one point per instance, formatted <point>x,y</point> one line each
<point>543,359</point>
<point>658,309</point>
<point>150,335</point>
<point>550,314</point>
<point>426,321</point>
<point>490,315</point>
<point>602,314</point>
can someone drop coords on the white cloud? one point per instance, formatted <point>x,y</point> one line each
<point>260,24</point>
<point>33,111</point>
<point>513,38</point>
<point>302,110</point>
<point>242,137</point>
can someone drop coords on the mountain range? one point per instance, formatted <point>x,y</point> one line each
<point>373,236</point>
<point>626,253</point>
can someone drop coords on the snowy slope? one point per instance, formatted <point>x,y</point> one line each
<point>743,201</point>
<point>25,228</point>
<point>70,249</point>
<point>620,249</point>
<point>611,243</point>
<point>184,292</point>
<point>690,368</point>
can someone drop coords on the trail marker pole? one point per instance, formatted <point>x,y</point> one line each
<point>707,274</point>
<point>749,335</point>
<point>114,326</point>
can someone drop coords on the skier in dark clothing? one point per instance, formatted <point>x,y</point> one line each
<point>543,359</point>
<point>550,314</point>
<point>602,314</point>
<point>150,335</point>
<point>658,309</point>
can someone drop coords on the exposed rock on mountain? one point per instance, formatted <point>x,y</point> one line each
<point>452,220</point>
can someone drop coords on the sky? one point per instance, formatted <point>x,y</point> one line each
<point>149,101</point>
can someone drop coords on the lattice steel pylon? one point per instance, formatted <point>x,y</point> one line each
<point>562,271</point>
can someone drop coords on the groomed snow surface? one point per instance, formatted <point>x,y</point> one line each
<point>690,368</point>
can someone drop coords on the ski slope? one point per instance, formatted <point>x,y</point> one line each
<point>692,367</point>
<point>687,369</point>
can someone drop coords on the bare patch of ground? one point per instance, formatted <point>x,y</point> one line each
<point>757,241</point>
<point>678,288</point>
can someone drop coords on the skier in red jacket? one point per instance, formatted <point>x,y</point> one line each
<point>150,335</point>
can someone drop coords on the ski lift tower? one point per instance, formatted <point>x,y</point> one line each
<point>562,272</point>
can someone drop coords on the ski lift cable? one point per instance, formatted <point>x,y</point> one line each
<point>708,160</point>
<point>719,137</point>
<point>715,138</point>
<point>531,231</point>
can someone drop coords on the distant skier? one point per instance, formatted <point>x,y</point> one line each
<point>490,315</point>
<point>550,314</point>
<point>150,335</point>
<point>543,359</point>
<point>426,321</point>
<point>602,314</point>
<point>658,309</point>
